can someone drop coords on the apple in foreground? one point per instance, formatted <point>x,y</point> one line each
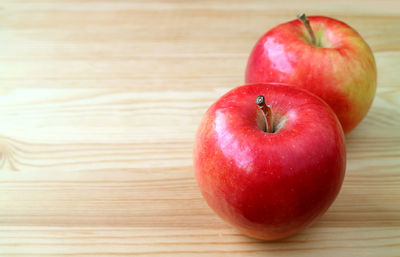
<point>322,55</point>
<point>272,167</point>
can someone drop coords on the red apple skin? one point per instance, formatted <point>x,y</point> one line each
<point>269,185</point>
<point>342,71</point>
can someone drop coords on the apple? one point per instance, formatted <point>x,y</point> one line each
<point>269,171</point>
<point>322,55</point>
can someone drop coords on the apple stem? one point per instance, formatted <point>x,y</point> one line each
<point>266,109</point>
<point>303,18</point>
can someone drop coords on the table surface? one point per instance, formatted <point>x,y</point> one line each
<point>99,103</point>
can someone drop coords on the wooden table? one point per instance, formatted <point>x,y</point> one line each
<point>99,103</point>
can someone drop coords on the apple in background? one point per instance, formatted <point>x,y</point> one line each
<point>322,55</point>
<point>269,182</point>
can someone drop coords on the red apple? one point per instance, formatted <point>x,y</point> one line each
<point>339,66</point>
<point>269,185</point>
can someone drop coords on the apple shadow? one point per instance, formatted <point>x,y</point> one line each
<point>348,225</point>
<point>370,187</point>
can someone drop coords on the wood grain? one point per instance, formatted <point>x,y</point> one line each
<point>99,103</point>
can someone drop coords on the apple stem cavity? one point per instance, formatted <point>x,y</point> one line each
<point>303,18</point>
<point>266,109</point>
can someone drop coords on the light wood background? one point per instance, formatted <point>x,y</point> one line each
<point>99,103</point>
